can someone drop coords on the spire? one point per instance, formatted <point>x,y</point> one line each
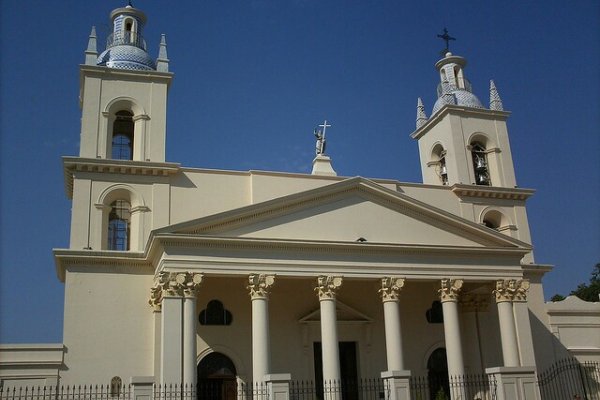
<point>162,62</point>
<point>91,53</point>
<point>421,117</point>
<point>495,100</point>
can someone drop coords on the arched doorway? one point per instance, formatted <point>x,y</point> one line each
<point>437,373</point>
<point>216,378</point>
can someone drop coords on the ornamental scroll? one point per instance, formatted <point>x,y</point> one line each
<point>260,285</point>
<point>390,288</point>
<point>511,290</point>
<point>174,284</point>
<point>450,289</point>
<point>327,286</point>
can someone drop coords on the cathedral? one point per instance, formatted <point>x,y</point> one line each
<point>178,274</point>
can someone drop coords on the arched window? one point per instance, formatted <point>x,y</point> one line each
<point>438,159</point>
<point>480,164</point>
<point>215,314</point>
<point>115,386</point>
<point>122,138</point>
<point>118,225</point>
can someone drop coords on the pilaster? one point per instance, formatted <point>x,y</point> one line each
<point>174,295</point>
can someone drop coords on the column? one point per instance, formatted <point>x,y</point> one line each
<point>449,293</point>
<point>506,292</point>
<point>327,286</point>
<point>191,284</point>
<point>259,286</point>
<point>390,292</point>
<point>178,333</point>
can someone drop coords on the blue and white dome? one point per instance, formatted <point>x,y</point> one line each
<point>126,47</point>
<point>459,97</point>
<point>126,57</point>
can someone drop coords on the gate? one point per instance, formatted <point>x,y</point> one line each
<point>569,379</point>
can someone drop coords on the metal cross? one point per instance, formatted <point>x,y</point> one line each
<point>447,38</point>
<point>324,126</point>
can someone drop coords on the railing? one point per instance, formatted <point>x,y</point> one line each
<point>570,379</point>
<point>362,389</point>
<point>126,38</point>
<point>206,390</point>
<point>474,386</point>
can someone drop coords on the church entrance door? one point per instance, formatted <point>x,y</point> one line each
<point>216,378</point>
<point>348,370</point>
<point>437,373</point>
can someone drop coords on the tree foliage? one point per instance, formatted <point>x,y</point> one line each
<point>590,291</point>
<point>586,291</point>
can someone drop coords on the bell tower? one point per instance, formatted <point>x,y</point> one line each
<point>123,94</point>
<point>463,142</point>
<point>119,182</point>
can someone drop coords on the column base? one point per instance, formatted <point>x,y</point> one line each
<point>398,384</point>
<point>278,386</point>
<point>515,383</point>
<point>142,387</point>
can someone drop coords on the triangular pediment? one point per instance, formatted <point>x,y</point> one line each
<point>352,210</point>
<point>344,313</point>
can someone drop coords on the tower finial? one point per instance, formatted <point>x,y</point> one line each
<point>421,116</point>
<point>446,38</point>
<point>91,53</point>
<point>495,100</point>
<point>162,62</point>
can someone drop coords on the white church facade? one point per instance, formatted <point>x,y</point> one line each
<point>176,274</point>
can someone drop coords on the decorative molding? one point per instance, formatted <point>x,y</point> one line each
<point>72,165</point>
<point>390,288</point>
<point>474,302</point>
<point>174,284</point>
<point>450,289</point>
<point>260,285</point>
<point>327,286</point>
<point>511,290</point>
<point>492,192</point>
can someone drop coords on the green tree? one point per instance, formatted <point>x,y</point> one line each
<point>590,291</point>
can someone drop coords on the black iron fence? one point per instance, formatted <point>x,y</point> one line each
<point>362,389</point>
<point>570,379</point>
<point>442,387</point>
<point>204,390</point>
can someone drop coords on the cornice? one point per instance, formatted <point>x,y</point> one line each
<point>124,73</point>
<point>492,192</point>
<point>65,258</point>
<point>454,109</point>
<point>326,247</point>
<point>108,166</point>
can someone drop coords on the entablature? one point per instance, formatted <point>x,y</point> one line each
<point>493,192</point>
<point>101,165</point>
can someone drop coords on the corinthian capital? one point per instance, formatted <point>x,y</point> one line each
<point>260,285</point>
<point>173,284</point>
<point>390,288</point>
<point>327,286</point>
<point>450,289</point>
<point>511,290</point>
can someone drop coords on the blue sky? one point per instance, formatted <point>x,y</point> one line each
<point>253,78</point>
